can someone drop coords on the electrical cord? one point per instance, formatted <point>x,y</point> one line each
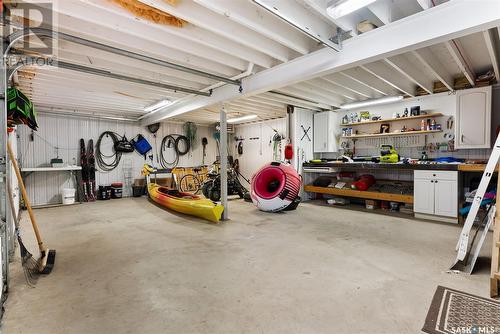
<point>100,157</point>
<point>174,142</point>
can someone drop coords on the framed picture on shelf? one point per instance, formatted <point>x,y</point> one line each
<point>385,128</point>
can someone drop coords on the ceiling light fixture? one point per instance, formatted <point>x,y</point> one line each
<point>342,8</point>
<point>157,106</point>
<point>366,103</point>
<point>241,119</point>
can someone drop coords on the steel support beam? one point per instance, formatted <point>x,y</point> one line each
<point>442,23</point>
<point>223,162</point>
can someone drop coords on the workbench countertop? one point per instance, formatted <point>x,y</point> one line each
<point>372,165</point>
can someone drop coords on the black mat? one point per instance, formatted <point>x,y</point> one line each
<point>454,311</point>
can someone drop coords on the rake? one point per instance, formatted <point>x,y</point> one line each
<point>28,262</point>
<point>47,256</point>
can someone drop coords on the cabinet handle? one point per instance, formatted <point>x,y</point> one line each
<point>462,138</point>
<point>436,181</point>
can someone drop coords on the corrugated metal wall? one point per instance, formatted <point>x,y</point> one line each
<point>60,135</point>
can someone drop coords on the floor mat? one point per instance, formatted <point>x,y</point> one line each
<point>454,311</point>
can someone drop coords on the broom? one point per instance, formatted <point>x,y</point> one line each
<point>47,256</point>
<point>28,262</point>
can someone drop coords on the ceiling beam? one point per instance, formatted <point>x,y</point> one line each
<point>425,4</point>
<point>390,76</point>
<point>296,15</point>
<point>495,58</point>
<point>261,21</point>
<point>293,101</point>
<point>450,20</point>
<point>324,84</point>
<point>415,75</point>
<point>218,24</point>
<point>319,7</point>
<point>382,9</point>
<point>460,57</point>
<point>350,84</point>
<point>109,15</point>
<point>432,63</point>
<point>366,79</point>
<point>307,93</point>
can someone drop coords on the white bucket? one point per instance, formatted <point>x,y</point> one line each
<point>68,196</point>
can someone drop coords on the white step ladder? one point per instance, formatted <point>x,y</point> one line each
<point>464,262</point>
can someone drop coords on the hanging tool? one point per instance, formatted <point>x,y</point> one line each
<point>47,256</point>
<point>306,133</point>
<point>204,143</point>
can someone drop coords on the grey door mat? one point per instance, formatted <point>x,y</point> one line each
<point>454,311</point>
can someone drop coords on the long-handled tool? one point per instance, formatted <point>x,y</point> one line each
<point>47,256</point>
<point>30,265</point>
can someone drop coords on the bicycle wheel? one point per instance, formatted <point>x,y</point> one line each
<point>190,183</point>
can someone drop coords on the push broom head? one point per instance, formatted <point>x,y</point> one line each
<point>46,261</point>
<point>30,265</point>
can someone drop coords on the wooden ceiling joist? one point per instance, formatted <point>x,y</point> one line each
<point>150,13</point>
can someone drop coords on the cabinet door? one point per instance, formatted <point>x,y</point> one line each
<point>445,194</point>
<point>423,192</point>
<point>473,118</point>
<point>321,132</point>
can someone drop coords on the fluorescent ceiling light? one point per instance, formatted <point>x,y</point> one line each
<point>241,119</point>
<point>373,102</point>
<point>342,8</point>
<point>157,105</point>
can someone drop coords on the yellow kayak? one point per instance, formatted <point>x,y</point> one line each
<point>185,202</point>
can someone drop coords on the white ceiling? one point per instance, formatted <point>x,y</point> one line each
<point>226,38</point>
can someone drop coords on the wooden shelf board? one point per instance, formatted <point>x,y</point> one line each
<point>474,167</point>
<point>409,118</point>
<point>361,194</point>
<point>376,135</point>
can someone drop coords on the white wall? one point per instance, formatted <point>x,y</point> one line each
<point>65,132</point>
<point>257,152</point>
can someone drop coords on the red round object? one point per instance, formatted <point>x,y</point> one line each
<point>275,186</point>
<point>289,152</point>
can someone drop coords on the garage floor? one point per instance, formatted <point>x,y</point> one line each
<point>128,266</point>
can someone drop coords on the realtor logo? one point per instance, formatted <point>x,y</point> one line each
<point>28,17</point>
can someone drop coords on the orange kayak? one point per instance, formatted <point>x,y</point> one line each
<point>185,203</point>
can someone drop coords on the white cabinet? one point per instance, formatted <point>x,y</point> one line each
<point>325,132</point>
<point>473,121</point>
<point>436,194</point>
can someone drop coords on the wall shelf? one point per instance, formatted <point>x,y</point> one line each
<point>389,120</point>
<point>392,134</point>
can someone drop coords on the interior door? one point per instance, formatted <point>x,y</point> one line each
<point>423,192</point>
<point>445,198</point>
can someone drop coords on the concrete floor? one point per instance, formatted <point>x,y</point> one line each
<point>128,266</point>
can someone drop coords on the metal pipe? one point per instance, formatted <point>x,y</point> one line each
<point>21,34</point>
<point>223,161</point>
<point>30,61</point>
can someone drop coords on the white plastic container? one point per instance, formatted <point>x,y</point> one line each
<point>68,196</point>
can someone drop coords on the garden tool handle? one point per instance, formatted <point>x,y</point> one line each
<point>25,197</point>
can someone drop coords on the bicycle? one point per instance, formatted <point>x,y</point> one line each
<point>193,182</point>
